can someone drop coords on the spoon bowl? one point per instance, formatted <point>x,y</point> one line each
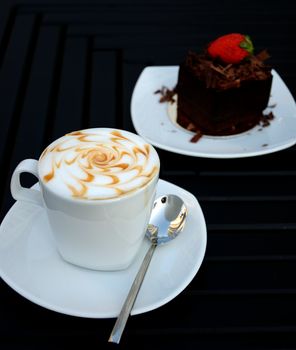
<point>166,222</point>
<point>168,215</point>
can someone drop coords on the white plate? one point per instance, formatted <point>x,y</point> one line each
<point>30,264</point>
<point>152,121</point>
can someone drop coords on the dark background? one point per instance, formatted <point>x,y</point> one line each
<point>67,65</point>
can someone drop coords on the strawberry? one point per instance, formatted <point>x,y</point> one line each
<point>231,48</point>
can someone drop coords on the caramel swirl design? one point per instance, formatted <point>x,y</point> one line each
<point>98,164</point>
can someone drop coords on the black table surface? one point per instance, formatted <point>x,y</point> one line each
<point>66,66</point>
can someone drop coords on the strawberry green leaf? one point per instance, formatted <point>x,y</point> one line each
<point>247,45</point>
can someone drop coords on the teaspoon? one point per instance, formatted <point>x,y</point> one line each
<point>167,221</point>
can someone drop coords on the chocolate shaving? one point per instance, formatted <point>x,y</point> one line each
<point>217,75</point>
<point>196,137</point>
<point>266,118</point>
<point>167,95</point>
<point>269,116</point>
<point>272,106</point>
<point>263,55</point>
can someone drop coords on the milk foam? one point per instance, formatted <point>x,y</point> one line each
<point>98,163</point>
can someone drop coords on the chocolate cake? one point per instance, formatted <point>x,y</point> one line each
<point>219,94</point>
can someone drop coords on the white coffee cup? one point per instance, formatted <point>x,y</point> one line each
<point>97,187</point>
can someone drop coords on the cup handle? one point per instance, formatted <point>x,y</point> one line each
<point>21,193</point>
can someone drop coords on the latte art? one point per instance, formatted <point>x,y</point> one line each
<point>98,164</point>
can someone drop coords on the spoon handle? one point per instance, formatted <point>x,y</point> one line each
<point>130,300</point>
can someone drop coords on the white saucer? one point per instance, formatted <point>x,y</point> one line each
<point>30,264</point>
<point>152,121</point>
